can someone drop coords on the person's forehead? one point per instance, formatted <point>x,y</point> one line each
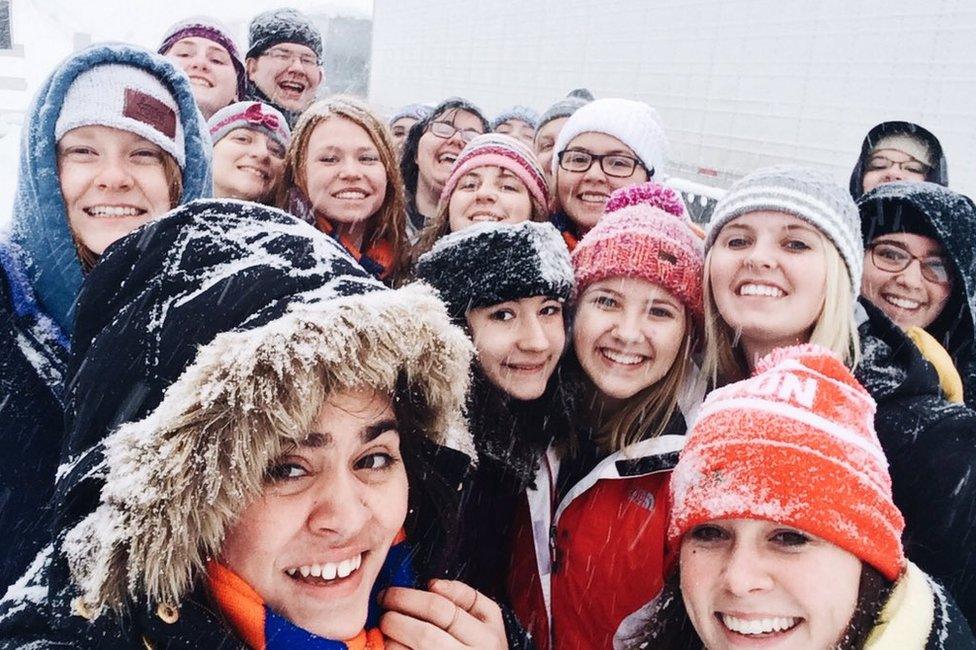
<point>893,153</point>
<point>199,41</point>
<point>294,48</point>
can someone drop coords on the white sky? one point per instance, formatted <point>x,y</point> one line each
<point>143,22</point>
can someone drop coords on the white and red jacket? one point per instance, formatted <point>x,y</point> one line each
<point>581,566</point>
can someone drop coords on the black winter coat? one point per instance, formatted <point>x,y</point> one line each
<point>931,449</point>
<point>31,426</point>
<point>949,218</point>
<point>939,172</point>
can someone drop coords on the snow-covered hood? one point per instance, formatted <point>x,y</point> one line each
<point>40,224</point>
<point>222,326</point>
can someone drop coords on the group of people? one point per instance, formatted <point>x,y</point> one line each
<point>280,372</point>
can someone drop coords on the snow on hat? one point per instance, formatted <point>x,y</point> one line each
<point>211,29</point>
<point>566,106</point>
<point>523,113</point>
<point>276,26</point>
<point>634,123</point>
<point>250,115</point>
<point>502,151</point>
<point>794,444</point>
<point>127,98</point>
<point>804,193</point>
<point>908,144</point>
<point>644,233</point>
<point>491,263</point>
<point>413,111</point>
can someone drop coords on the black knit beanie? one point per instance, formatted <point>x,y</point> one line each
<point>270,28</point>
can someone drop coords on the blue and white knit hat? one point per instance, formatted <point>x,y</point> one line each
<point>522,113</point>
<point>128,98</point>
<point>805,193</point>
<point>634,123</point>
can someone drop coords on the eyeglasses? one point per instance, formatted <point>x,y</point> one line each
<point>286,58</point>
<point>894,258</point>
<point>617,165</point>
<point>447,130</point>
<point>879,163</point>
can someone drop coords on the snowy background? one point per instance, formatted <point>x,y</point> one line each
<point>738,83</point>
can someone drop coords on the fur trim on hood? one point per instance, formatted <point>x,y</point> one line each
<point>179,474</point>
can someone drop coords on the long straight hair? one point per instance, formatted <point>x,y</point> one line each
<point>388,223</point>
<point>835,327</point>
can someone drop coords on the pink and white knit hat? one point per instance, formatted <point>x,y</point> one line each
<point>250,115</point>
<point>645,233</point>
<point>794,444</point>
<point>503,151</point>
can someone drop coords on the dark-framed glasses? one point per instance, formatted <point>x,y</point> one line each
<point>447,130</point>
<point>895,258</point>
<point>613,164</point>
<point>879,162</point>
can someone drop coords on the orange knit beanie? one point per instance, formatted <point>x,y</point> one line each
<point>794,444</point>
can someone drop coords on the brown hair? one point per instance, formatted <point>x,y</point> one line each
<point>174,181</point>
<point>389,221</point>
<point>440,224</point>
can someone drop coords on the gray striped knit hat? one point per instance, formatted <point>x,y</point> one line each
<point>805,193</point>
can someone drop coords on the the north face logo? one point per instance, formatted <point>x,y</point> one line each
<point>149,110</point>
<point>642,497</point>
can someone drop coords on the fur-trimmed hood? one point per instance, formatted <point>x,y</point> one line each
<point>223,326</point>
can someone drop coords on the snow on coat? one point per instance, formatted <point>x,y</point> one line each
<point>41,276</point>
<point>930,444</point>
<point>951,219</point>
<point>222,327</point>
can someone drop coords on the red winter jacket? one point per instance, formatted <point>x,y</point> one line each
<point>580,568</point>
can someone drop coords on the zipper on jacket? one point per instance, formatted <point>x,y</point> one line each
<point>553,549</point>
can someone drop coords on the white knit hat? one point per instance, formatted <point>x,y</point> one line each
<point>127,98</point>
<point>907,144</point>
<point>804,193</point>
<point>635,124</point>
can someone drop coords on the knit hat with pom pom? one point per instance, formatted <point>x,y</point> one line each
<point>794,444</point>
<point>644,233</point>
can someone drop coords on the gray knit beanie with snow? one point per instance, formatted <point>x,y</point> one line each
<point>270,28</point>
<point>523,113</point>
<point>490,263</point>
<point>566,106</point>
<point>806,193</point>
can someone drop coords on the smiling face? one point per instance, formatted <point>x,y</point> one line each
<point>289,74</point>
<point>767,276</point>
<point>749,584</point>
<point>545,141</point>
<point>436,155</point>
<point>627,334</point>
<point>313,544</point>
<point>583,195</point>
<point>907,296</point>
<point>519,130</point>
<point>344,176</point>
<point>246,165</point>
<point>519,343</point>
<point>489,194</point>
<point>112,181</point>
<point>210,69</point>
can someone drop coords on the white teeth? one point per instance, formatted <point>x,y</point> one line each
<point>591,197</point>
<point>448,158</point>
<point>759,625</point>
<point>351,194</point>
<point>112,211</point>
<point>620,357</point>
<point>257,172</point>
<point>328,570</point>
<point>760,290</point>
<point>904,303</point>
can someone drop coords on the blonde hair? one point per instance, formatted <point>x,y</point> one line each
<point>389,221</point>
<point>648,413</point>
<point>174,182</point>
<point>835,327</point>
<point>440,224</point>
